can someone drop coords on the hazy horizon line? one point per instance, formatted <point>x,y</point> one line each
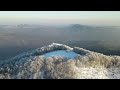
<point>46,24</point>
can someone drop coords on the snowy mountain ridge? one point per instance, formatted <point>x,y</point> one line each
<point>87,64</point>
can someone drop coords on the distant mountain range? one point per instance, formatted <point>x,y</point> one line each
<point>79,27</point>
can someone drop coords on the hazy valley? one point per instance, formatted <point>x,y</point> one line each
<point>15,39</point>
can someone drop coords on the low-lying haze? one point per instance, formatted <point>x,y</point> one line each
<point>22,31</point>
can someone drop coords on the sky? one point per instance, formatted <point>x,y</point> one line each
<point>111,18</point>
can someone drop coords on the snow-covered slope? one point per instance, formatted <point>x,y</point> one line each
<point>86,64</point>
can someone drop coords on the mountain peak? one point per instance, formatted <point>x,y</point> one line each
<point>77,25</point>
<point>85,64</point>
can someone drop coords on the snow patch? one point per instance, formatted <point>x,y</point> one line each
<point>61,53</point>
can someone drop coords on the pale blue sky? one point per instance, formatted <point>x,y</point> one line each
<point>61,17</point>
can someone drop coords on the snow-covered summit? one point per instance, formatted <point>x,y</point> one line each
<point>34,65</point>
